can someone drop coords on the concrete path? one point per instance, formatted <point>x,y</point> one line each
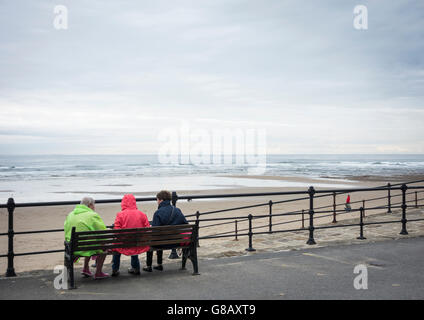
<point>334,235</point>
<point>395,270</point>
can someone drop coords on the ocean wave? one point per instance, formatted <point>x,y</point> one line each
<point>106,167</point>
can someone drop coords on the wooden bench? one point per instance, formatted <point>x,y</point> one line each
<point>183,236</point>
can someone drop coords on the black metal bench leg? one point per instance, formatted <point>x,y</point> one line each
<point>70,248</point>
<point>69,265</point>
<point>184,258</point>
<point>193,258</point>
<point>71,279</point>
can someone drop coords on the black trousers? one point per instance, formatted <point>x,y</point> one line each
<point>159,254</point>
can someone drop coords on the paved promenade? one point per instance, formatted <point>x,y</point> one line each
<point>394,271</point>
<point>324,271</point>
<point>216,248</point>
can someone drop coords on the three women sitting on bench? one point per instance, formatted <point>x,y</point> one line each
<point>84,218</point>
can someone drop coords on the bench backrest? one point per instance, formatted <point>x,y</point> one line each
<point>179,235</point>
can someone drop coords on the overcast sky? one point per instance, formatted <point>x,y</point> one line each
<point>125,70</point>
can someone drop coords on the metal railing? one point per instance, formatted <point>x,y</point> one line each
<point>312,195</point>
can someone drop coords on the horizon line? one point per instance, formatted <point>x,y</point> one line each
<point>231,154</point>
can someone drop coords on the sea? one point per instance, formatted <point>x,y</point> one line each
<point>29,178</point>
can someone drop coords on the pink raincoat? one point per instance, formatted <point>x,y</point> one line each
<point>131,217</point>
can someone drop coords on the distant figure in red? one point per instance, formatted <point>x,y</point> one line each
<point>347,205</point>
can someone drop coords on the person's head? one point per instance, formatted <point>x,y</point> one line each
<point>89,202</point>
<point>128,202</point>
<point>163,195</point>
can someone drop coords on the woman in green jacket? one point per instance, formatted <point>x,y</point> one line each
<point>83,218</point>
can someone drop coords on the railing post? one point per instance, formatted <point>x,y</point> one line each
<point>197,224</point>
<point>174,199</point>
<point>10,254</point>
<point>270,216</point>
<point>311,192</point>
<point>235,230</point>
<point>404,206</point>
<point>250,249</point>
<point>389,202</point>
<point>334,208</point>
<point>303,218</point>
<point>361,223</point>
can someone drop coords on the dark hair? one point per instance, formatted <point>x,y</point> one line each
<point>164,195</point>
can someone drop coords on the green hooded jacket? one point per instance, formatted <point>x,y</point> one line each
<point>83,219</point>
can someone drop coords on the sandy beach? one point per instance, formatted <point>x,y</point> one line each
<point>45,218</point>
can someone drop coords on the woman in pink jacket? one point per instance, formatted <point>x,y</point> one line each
<point>129,217</point>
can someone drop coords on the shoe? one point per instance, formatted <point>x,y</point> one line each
<point>86,273</point>
<point>147,269</point>
<point>134,271</point>
<point>115,273</point>
<point>100,276</point>
<point>160,268</point>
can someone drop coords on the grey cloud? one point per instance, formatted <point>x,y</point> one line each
<point>251,61</point>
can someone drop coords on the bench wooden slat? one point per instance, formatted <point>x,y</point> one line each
<point>134,238</point>
<point>148,231</point>
<point>112,231</point>
<point>132,244</point>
